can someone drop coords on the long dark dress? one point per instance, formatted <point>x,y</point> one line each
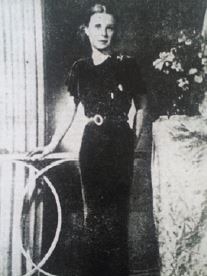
<point>106,158</point>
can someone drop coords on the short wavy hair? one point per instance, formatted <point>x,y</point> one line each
<point>96,8</point>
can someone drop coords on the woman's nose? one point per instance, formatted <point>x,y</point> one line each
<point>104,32</point>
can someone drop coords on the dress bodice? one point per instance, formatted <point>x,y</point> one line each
<point>107,88</point>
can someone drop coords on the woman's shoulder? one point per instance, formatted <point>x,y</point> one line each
<point>123,61</point>
<point>80,63</point>
<point>119,57</point>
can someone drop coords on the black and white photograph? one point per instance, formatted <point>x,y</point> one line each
<point>103,141</point>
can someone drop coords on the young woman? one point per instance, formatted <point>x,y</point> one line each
<point>107,85</point>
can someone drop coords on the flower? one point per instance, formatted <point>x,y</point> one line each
<point>183,83</point>
<point>176,66</point>
<point>182,37</point>
<point>185,61</point>
<point>193,71</point>
<point>164,57</point>
<point>166,72</point>
<point>200,55</point>
<point>204,61</point>
<point>183,64</point>
<point>198,79</point>
<point>158,64</point>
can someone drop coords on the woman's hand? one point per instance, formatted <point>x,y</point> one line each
<point>40,153</point>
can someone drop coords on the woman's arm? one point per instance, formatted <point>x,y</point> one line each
<point>140,116</point>
<point>63,128</point>
<point>59,134</point>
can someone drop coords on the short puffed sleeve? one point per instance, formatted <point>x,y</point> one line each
<point>72,82</point>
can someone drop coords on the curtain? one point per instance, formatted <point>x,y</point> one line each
<point>21,71</point>
<point>22,128</point>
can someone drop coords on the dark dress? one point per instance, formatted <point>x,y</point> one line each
<point>106,158</point>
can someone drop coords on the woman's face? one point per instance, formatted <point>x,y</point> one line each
<point>100,31</point>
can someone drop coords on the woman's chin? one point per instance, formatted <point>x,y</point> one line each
<point>102,47</point>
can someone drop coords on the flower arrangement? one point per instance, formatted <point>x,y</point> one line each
<point>185,63</point>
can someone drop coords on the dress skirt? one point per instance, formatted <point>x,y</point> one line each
<point>106,162</point>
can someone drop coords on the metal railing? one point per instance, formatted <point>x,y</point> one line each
<point>21,212</point>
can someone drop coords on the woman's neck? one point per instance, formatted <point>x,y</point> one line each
<point>99,57</point>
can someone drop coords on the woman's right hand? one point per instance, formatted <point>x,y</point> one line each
<point>40,153</point>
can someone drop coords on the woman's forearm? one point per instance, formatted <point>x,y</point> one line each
<point>139,122</point>
<point>140,116</point>
<point>63,128</point>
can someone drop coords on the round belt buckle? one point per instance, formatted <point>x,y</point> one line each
<point>98,120</point>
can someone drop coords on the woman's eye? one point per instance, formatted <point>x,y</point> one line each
<point>110,28</point>
<point>98,26</point>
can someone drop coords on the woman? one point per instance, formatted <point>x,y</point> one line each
<point>107,85</point>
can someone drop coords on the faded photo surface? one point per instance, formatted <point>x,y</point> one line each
<point>103,141</point>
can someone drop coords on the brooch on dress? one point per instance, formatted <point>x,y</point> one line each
<point>112,95</point>
<point>121,57</point>
<point>120,88</point>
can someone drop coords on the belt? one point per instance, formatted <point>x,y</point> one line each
<point>99,119</point>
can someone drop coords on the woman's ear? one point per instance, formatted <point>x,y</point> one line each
<point>86,30</point>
